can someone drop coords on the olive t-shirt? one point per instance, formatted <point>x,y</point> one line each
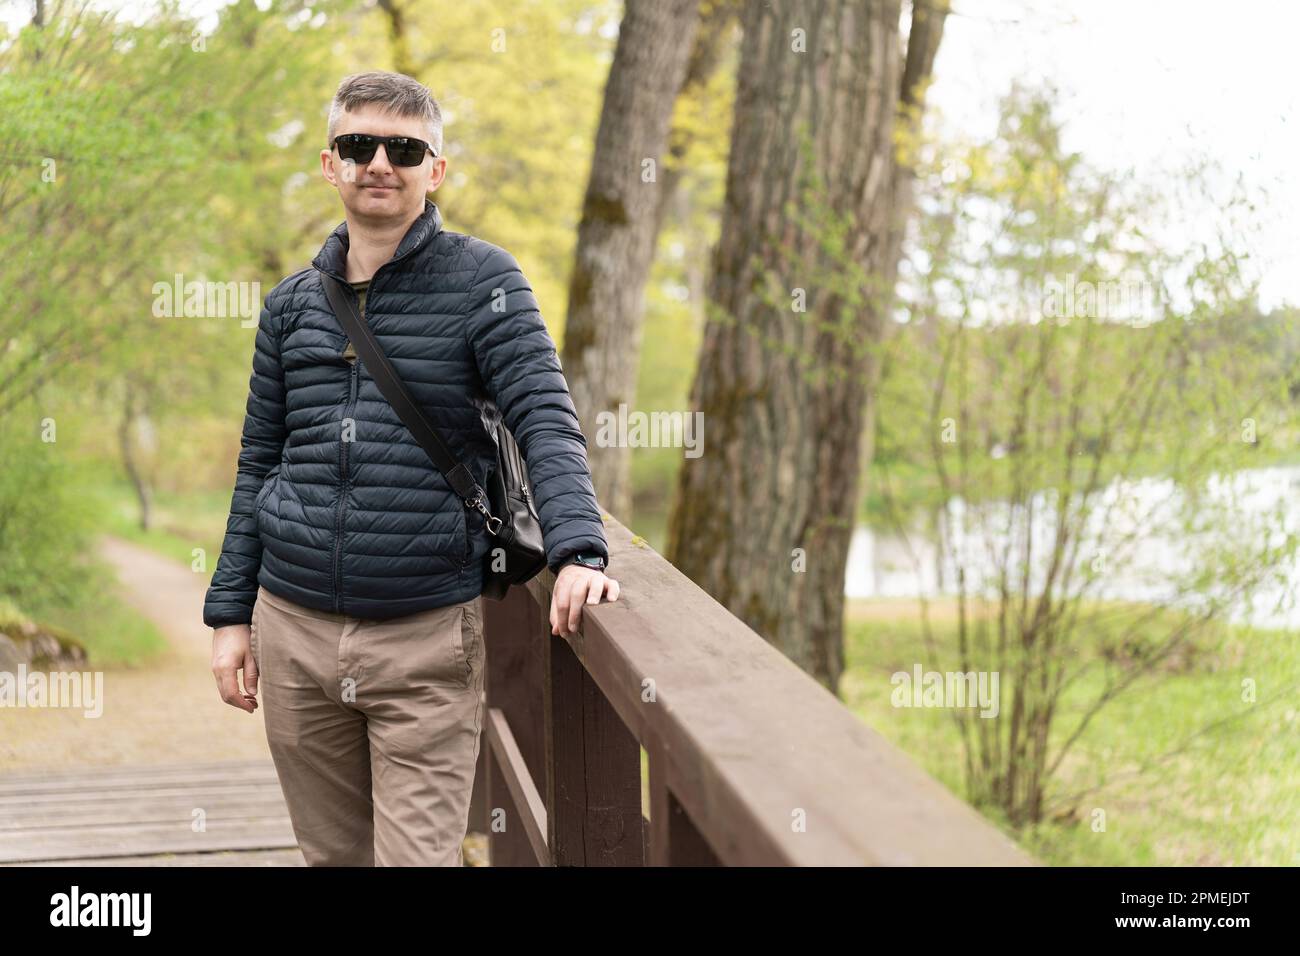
<point>349,352</point>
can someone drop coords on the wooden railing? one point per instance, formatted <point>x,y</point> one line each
<point>751,761</point>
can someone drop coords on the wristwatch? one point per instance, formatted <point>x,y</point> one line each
<point>593,561</point>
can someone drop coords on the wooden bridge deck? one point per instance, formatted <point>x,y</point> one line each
<point>227,813</point>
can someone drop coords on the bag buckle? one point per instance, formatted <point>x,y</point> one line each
<point>493,523</point>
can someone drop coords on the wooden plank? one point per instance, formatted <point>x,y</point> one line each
<point>514,691</point>
<point>195,795</point>
<point>291,857</point>
<point>140,769</point>
<point>195,792</point>
<point>198,775</point>
<point>53,843</point>
<point>594,790</point>
<point>143,812</point>
<point>673,838</point>
<point>521,793</point>
<point>90,811</point>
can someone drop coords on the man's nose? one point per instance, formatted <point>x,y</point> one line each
<point>379,162</point>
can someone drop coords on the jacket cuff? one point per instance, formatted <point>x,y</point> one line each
<point>226,615</point>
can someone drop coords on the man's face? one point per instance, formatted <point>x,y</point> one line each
<point>379,191</point>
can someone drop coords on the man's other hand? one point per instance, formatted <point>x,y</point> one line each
<point>231,652</point>
<point>574,587</point>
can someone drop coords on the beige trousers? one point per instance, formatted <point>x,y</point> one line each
<point>374,728</point>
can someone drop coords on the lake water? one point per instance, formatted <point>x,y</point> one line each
<point>1143,540</point>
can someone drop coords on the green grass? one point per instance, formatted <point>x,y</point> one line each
<point>1185,772</point>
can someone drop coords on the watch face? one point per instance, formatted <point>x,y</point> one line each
<point>590,561</point>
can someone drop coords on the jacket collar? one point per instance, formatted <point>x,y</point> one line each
<point>333,256</point>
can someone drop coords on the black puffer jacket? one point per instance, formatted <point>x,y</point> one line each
<point>362,523</point>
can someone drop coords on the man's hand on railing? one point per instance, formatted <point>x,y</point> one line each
<point>574,587</point>
<point>232,651</point>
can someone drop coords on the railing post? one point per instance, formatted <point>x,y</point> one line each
<point>674,840</point>
<point>514,632</point>
<point>593,787</point>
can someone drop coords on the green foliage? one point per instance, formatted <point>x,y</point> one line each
<point>44,520</point>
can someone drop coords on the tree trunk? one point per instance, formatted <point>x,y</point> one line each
<point>134,468</point>
<point>616,238</point>
<point>398,42</point>
<point>763,519</point>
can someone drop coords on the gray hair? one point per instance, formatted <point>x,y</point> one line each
<point>395,93</point>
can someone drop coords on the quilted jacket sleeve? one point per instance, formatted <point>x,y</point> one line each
<point>517,361</point>
<point>233,591</point>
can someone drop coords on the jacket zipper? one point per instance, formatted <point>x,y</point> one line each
<point>343,495</point>
<point>347,480</point>
<point>523,481</point>
<point>516,461</point>
<point>511,475</point>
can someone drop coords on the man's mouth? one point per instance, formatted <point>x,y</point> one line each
<point>377,186</point>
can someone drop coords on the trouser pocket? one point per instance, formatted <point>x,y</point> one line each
<point>470,639</point>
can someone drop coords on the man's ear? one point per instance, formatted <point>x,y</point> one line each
<point>438,174</point>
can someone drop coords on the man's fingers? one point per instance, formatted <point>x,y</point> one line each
<point>578,596</point>
<point>567,602</point>
<point>229,687</point>
<point>250,673</point>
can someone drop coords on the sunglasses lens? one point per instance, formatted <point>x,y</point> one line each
<point>405,152</point>
<point>357,147</point>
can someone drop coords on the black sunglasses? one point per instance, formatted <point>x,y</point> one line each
<point>401,150</point>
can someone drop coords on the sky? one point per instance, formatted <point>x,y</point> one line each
<point>1149,86</point>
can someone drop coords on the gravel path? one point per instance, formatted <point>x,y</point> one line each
<point>166,712</point>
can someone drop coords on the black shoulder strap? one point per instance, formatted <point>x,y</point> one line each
<point>394,389</point>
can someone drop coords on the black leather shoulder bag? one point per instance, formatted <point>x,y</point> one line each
<point>506,506</point>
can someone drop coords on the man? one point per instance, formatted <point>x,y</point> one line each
<point>349,583</point>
